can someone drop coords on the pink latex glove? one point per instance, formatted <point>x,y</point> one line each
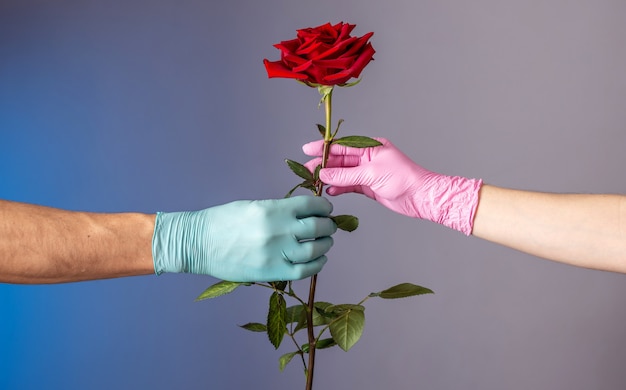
<point>388,176</point>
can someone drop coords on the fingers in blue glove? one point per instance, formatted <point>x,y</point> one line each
<point>247,241</point>
<point>313,227</point>
<point>305,251</point>
<point>299,271</point>
<point>312,230</point>
<point>308,206</point>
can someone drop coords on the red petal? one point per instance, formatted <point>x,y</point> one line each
<point>355,70</point>
<point>335,49</point>
<point>344,29</point>
<point>278,69</point>
<point>337,63</point>
<point>292,60</point>
<point>308,47</point>
<point>289,46</point>
<point>301,68</point>
<point>354,49</point>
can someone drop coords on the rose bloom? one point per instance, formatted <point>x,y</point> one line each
<point>325,55</point>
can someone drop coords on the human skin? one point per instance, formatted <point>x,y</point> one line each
<point>47,245</point>
<point>585,230</point>
<point>241,241</point>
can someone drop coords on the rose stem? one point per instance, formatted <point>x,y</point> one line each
<point>311,302</point>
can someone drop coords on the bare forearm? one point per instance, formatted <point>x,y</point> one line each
<point>46,245</point>
<point>583,230</point>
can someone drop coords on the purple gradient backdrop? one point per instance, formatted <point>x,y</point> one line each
<point>165,105</point>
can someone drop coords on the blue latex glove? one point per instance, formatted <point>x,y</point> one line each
<point>246,241</point>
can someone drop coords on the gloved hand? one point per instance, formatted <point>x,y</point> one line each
<point>388,176</point>
<point>246,241</point>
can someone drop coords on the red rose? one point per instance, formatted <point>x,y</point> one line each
<point>325,55</point>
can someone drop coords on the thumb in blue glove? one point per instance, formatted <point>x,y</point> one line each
<point>246,241</point>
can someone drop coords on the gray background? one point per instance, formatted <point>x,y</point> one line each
<point>165,105</point>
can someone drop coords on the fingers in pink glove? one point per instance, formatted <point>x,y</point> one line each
<point>387,175</point>
<point>315,148</point>
<point>342,157</point>
<point>334,162</point>
<point>332,178</point>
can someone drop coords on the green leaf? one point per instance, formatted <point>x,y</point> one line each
<point>337,129</point>
<point>325,343</point>
<point>327,315</point>
<point>279,285</point>
<point>218,289</point>
<point>316,173</point>
<point>348,223</point>
<point>254,327</point>
<point>318,318</point>
<point>347,329</point>
<point>290,291</point>
<point>285,359</point>
<point>276,323</point>
<point>299,170</point>
<point>296,314</point>
<point>307,184</point>
<point>321,344</point>
<point>288,195</point>
<point>357,141</point>
<point>342,308</point>
<point>301,325</point>
<point>321,129</point>
<point>404,290</point>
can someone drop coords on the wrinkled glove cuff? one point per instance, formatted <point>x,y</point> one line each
<point>167,242</point>
<point>157,246</point>
<point>452,202</point>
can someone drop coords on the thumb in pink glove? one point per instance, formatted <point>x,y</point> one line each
<point>388,176</point>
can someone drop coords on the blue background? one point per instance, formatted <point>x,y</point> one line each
<point>164,105</point>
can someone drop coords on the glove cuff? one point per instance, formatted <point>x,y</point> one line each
<point>157,246</point>
<point>166,243</point>
<point>453,201</point>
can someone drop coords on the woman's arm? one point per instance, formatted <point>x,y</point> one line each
<point>583,230</point>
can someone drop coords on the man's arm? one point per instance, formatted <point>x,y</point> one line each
<point>583,230</point>
<point>47,245</point>
<point>241,241</point>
